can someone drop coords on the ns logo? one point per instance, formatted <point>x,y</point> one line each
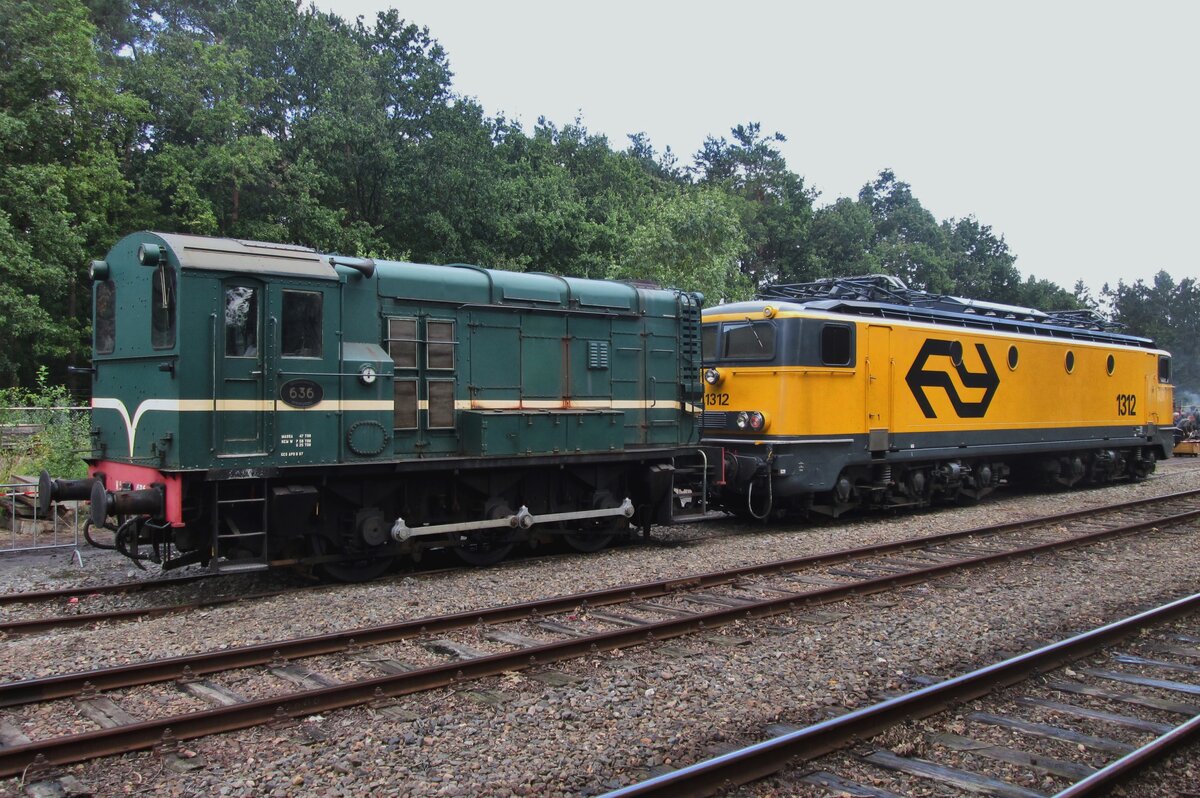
<point>921,378</point>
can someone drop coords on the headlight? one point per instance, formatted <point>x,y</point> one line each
<point>366,375</point>
<point>712,376</point>
<point>751,421</point>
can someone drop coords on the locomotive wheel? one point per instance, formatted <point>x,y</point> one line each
<point>601,533</point>
<point>486,546</point>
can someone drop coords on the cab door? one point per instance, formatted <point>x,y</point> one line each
<point>879,386</point>
<point>239,403</point>
<point>305,383</point>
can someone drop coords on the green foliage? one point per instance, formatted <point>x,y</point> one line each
<point>1168,312</point>
<point>692,240</point>
<point>64,128</point>
<point>774,205</point>
<point>39,433</point>
<point>270,120</point>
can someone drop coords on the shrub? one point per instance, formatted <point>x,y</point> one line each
<point>59,437</point>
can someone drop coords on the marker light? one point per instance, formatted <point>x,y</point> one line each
<point>149,254</point>
<point>712,376</point>
<point>751,420</point>
<point>366,375</point>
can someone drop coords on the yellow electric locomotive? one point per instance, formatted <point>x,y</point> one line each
<point>860,391</point>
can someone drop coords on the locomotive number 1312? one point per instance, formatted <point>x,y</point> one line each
<point>1126,404</point>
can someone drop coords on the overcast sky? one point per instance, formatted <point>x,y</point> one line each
<point>1070,128</point>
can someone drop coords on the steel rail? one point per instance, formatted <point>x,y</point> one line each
<point>151,584</point>
<point>763,759</point>
<point>1103,780</point>
<point>33,625</point>
<point>147,734</point>
<point>43,624</point>
<point>89,590</point>
<point>191,665</point>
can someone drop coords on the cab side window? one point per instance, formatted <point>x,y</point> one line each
<point>708,342</point>
<point>106,317</point>
<point>300,330</point>
<point>162,308</point>
<point>836,345</point>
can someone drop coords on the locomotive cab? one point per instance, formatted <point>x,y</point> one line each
<point>780,391</point>
<point>225,358</point>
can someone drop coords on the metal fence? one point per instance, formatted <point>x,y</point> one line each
<point>24,528</point>
<point>26,430</point>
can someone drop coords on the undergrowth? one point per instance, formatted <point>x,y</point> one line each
<point>37,431</point>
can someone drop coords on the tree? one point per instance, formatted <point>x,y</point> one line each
<point>775,206</point>
<point>979,263</point>
<point>908,243</point>
<point>1169,313</point>
<point>841,240</point>
<point>693,240</point>
<point>64,128</point>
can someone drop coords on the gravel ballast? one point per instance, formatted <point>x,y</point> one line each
<point>607,720</point>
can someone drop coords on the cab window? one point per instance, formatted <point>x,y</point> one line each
<point>162,308</point>
<point>1164,369</point>
<point>106,317</point>
<point>752,341</point>
<point>241,321</point>
<point>836,349</point>
<point>300,330</point>
<point>708,342</point>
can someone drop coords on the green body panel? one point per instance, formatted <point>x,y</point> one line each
<point>497,433</point>
<point>489,363</point>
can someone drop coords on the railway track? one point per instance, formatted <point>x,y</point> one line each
<point>229,593</point>
<point>146,596</point>
<point>1038,722</point>
<point>118,588</point>
<point>378,664</point>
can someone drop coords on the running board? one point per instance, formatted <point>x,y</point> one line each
<point>522,519</point>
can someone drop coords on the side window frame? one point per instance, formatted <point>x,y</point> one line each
<point>286,322</point>
<point>849,361</point>
<point>734,326</point>
<point>104,318</point>
<point>256,294</point>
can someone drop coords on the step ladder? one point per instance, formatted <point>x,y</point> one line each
<point>689,501</point>
<point>228,533</point>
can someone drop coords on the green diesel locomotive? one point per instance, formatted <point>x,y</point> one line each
<point>260,404</point>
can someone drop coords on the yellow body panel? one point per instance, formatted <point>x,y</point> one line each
<point>878,392</point>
